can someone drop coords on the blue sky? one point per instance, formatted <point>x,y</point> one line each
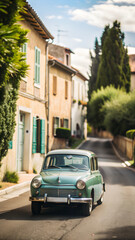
<point>76,23</point>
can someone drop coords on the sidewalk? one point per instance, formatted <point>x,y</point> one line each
<point>17,189</point>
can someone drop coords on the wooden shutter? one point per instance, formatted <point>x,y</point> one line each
<point>66,90</point>
<point>34,140</point>
<point>61,122</point>
<point>54,85</point>
<point>37,65</point>
<point>42,146</point>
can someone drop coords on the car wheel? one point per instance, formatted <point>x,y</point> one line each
<point>87,209</point>
<point>35,208</point>
<point>100,201</point>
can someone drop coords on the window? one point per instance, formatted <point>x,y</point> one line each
<point>67,59</point>
<point>96,163</point>
<point>65,123</point>
<point>37,66</point>
<point>92,164</point>
<point>38,141</point>
<point>66,90</point>
<point>54,85</point>
<point>56,121</point>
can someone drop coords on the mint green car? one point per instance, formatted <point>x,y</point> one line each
<point>68,177</point>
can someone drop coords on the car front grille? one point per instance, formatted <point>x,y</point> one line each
<point>58,192</point>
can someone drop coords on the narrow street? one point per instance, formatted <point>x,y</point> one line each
<point>114,219</point>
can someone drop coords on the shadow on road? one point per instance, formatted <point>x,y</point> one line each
<point>51,213</point>
<point>120,233</point>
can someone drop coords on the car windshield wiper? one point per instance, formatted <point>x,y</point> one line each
<point>71,166</point>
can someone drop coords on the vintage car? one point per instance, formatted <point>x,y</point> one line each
<point>68,177</point>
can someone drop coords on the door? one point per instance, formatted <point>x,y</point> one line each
<point>21,141</point>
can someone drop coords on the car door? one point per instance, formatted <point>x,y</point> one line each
<point>96,177</point>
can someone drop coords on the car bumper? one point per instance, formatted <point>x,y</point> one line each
<point>67,200</point>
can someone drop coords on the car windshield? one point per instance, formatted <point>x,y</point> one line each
<point>71,161</point>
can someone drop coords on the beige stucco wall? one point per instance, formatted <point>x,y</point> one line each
<point>59,106</point>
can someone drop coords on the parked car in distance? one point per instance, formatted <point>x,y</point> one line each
<point>68,177</point>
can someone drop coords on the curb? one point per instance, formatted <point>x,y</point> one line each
<point>81,143</point>
<point>125,161</point>
<point>13,188</point>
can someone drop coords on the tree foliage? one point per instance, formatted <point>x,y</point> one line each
<point>12,67</point>
<point>94,68</point>
<point>114,65</point>
<point>95,106</point>
<point>120,114</point>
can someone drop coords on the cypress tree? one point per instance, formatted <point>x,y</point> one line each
<point>94,68</point>
<point>114,65</point>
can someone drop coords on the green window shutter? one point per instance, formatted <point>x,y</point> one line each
<point>24,50</point>
<point>34,140</point>
<point>42,146</point>
<point>10,146</point>
<point>37,65</point>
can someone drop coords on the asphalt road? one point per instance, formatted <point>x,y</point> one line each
<point>114,219</point>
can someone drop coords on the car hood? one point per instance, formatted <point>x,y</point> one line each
<point>60,177</point>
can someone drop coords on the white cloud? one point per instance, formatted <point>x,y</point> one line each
<point>53,17</point>
<point>81,60</point>
<point>107,12</point>
<point>77,39</point>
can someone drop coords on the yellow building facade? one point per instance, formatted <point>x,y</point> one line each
<point>60,89</point>
<point>28,145</point>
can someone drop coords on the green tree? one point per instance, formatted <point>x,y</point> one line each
<point>114,64</point>
<point>94,68</point>
<point>96,111</point>
<point>12,67</point>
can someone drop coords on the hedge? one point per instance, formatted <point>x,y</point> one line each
<point>63,133</point>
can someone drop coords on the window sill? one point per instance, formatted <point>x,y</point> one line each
<point>36,85</point>
<point>24,79</point>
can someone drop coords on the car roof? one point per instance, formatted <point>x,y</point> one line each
<point>71,151</point>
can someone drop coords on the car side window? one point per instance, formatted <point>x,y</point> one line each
<point>96,163</point>
<point>92,164</point>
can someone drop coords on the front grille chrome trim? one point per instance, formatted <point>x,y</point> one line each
<point>67,200</point>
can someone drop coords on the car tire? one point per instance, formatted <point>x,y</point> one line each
<point>87,208</point>
<point>100,201</point>
<point>35,208</point>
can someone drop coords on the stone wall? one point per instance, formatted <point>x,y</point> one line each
<point>125,145</point>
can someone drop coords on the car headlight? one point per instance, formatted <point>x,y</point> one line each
<point>80,184</point>
<point>36,182</point>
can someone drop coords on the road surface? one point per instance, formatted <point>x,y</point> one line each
<point>114,219</point>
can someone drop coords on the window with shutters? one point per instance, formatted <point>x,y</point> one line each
<point>38,141</point>
<point>54,85</point>
<point>56,124</point>
<point>66,90</point>
<point>37,66</point>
